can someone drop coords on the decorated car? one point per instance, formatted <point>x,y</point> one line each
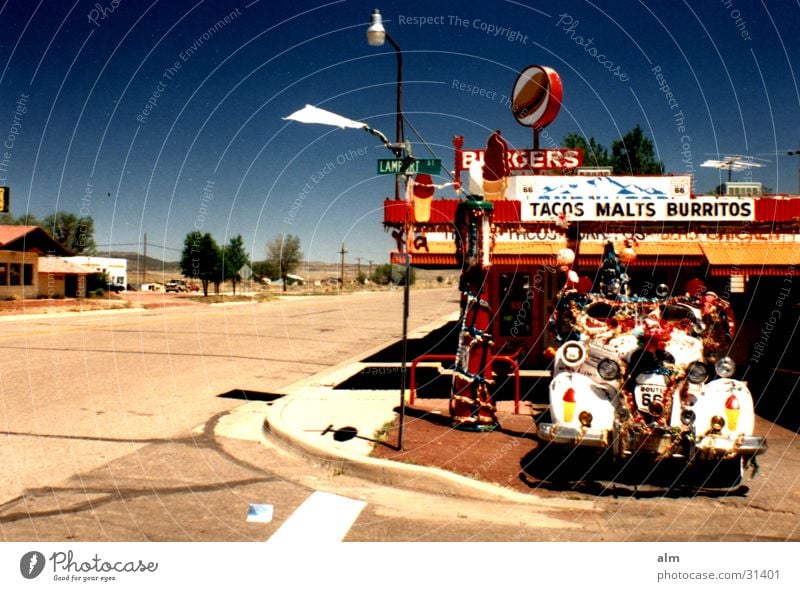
<point>649,377</point>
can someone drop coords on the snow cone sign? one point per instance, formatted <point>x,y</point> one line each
<point>536,97</point>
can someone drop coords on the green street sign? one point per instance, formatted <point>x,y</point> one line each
<point>399,166</point>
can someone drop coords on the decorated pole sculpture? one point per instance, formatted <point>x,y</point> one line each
<point>471,406</point>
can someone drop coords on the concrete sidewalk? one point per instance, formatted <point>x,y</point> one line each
<point>314,419</point>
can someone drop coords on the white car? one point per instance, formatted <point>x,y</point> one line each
<point>649,378</point>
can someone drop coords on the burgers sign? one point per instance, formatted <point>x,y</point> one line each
<point>536,98</point>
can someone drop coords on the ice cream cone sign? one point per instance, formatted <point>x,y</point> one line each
<point>569,405</point>
<point>732,412</point>
<point>495,167</point>
<point>422,193</point>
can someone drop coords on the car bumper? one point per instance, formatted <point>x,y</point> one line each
<point>565,435</point>
<point>709,447</point>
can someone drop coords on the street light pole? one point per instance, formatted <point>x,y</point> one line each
<point>376,35</point>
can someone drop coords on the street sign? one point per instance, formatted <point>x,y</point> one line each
<point>5,194</point>
<point>245,272</point>
<point>399,166</point>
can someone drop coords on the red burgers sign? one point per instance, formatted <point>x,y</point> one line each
<point>536,98</point>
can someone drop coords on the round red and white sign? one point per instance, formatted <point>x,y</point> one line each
<point>536,98</point>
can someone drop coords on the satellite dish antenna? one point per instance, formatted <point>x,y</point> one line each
<point>733,162</point>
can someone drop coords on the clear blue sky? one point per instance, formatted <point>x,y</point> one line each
<point>175,122</point>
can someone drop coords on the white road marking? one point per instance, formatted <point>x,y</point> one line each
<point>323,517</point>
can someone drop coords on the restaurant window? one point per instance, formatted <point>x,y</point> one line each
<point>27,274</point>
<point>3,273</point>
<point>15,274</point>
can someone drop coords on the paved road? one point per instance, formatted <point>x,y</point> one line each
<point>106,420</point>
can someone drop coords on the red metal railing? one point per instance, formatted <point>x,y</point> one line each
<point>504,358</point>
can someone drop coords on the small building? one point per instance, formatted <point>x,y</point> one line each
<point>21,248</point>
<point>58,277</point>
<point>18,278</point>
<point>115,270</point>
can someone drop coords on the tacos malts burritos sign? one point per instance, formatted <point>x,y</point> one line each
<point>610,199</point>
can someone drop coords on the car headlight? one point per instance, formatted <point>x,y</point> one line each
<point>608,369</point>
<point>697,373</point>
<point>725,367</point>
<point>573,354</point>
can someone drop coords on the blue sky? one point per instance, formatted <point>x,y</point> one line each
<point>152,117</point>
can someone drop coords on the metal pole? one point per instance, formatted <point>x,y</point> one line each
<point>401,153</point>
<point>399,135</point>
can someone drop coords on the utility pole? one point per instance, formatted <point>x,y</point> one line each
<point>342,252</point>
<point>370,267</point>
<point>144,260</point>
<point>358,269</point>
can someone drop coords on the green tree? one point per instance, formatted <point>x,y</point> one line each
<point>72,232</point>
<point>635,154</point>
<point>386,274</point>
<point>283,256</point>
<point>27,219</point>
<point>594,154</point>
<point>234,258</point>
<point>201,259</point>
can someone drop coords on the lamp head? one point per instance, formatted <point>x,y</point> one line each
<point>376,34</point>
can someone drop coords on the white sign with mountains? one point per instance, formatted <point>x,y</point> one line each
<point>620,198</point>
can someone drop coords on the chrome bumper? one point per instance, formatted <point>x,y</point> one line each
<point>571,436</point>
<point>710,447</point>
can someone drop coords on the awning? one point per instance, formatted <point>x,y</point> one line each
<point>530,253</point>
<point>752,258</point>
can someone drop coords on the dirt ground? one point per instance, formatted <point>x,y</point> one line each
<point>511,456</point>
<point>112,301</point>
<point>497,456</point>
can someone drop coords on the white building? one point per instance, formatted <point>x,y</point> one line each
<point>115,269</point>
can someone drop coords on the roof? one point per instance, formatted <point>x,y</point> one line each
<point>30,239</point>
<point>769,258</point>
<point>61,267</point>
<point>11,233</point>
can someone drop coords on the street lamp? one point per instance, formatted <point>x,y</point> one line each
<point>376,35</point>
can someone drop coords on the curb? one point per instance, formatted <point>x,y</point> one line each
<point>396,474</point>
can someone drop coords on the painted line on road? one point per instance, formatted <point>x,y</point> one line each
<point>322,518</point>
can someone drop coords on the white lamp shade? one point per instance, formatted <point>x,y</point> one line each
<point>376,34</point>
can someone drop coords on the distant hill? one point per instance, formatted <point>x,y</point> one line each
<point>135,259</point>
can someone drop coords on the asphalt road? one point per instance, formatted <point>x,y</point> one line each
<point>108,421</point>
